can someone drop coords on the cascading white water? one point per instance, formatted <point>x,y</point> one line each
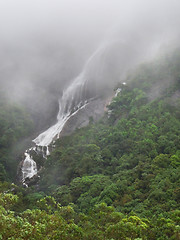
<point>29,168</point>
<point>74,98</point>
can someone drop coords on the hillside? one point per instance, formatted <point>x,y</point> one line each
<point>117,178</point>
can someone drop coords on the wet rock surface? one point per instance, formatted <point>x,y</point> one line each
<point>93,111</point>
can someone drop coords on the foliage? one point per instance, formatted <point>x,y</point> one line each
<point>15,124</point>
<point>51,221</point>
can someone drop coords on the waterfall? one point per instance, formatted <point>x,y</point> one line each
<point>74,98</point>
<point>77,96</point>
<point>29,168</point>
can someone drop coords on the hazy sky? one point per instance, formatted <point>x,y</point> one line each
<point>48,41</point>
<point>83,19</point>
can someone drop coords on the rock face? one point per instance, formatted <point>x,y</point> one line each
<point>94,110</point>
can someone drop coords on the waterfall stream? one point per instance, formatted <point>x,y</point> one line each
<point>76,97</point>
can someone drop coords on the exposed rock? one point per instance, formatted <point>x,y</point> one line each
<point>94,110</point>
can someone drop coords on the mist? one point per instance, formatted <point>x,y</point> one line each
<point>45,44</point>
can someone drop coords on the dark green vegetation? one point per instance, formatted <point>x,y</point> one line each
<point>115,179</point>
<point>15,124</point>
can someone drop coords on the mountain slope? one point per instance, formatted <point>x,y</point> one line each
<point>130,159</point>
<point>115,179</point>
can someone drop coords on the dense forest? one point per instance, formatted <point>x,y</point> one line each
<point>118,178</point>
<point>15,124</point>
